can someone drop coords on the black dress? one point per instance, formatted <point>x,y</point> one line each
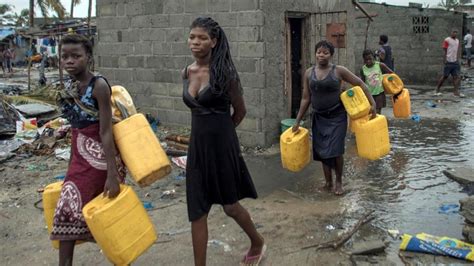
<point>215,171</point>
<point>329,125</point>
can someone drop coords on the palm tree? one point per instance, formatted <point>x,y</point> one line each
<point>44,5</point>
<point>450,4</point>
<point>4,9</point>
<point>21,19</point>
<point>73,4</point>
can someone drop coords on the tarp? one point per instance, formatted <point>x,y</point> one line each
<point>5,32</point>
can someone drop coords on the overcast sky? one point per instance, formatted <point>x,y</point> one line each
<point>81,10</point>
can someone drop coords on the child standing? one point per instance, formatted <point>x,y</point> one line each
<point>215,171</point>
<point>94,166</point>
<point>371,74</point>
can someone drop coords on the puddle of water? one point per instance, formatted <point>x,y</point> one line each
<point>420,152</point>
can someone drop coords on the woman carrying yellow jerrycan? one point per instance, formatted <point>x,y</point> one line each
<point>322,89</point>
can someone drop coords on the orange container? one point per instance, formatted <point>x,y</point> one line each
<point>402,104</point>
<point>392,84</point>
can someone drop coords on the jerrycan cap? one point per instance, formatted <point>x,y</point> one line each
<point>350,93</point>
<point>390,78</point>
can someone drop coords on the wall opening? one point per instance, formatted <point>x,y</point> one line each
<point>295,52</point>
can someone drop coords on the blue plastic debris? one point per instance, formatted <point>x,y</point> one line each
<point>449,208</point>
<point>416,118</point>
<point>60,177</point>
<point>147,205</point>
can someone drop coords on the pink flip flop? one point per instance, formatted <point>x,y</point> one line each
<point>254,260</point>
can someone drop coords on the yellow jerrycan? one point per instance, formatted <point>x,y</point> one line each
<point>401,104</point>
<point>120,226</point>
<point>141,150</point>
<point>122,103</point>
<point>355,124</point>
<point>51,195</point>
<point>295,149</point>
<point>372,138</point>
<point>356,103</point>
<point>392,84</point>
<point>50,200</point>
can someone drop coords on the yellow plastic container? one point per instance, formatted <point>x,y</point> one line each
<point>295,149</point>
<point>372,138</point>
<point>356,103</point>
<point>402,105</point>
<point>120,226</point>
<point>51,195</point>
<point>141,150</point>
<point>392,84</point>
<point>356,123</point>
<point>121,96</point>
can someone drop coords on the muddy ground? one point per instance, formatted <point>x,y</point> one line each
<point>291,212</point>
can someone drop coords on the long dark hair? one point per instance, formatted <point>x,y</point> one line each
<point>221,69</point>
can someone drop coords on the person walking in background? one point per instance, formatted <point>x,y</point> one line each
<point>468,46</point>
<point>451,63</point>
<point>216,172</point>
<point>322,89</point>
<point>2,60</point>
<point>385,52</point>
<point>7,55</point>
<point>371,74</point>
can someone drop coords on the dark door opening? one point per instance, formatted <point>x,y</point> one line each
<point>296,44</point>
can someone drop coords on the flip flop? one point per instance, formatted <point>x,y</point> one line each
<point>254,260</point>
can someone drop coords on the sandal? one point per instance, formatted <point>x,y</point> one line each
<point>254,260</point>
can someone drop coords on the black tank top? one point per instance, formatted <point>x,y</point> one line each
<point>325,93</point>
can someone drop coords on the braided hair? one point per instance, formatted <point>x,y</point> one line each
<point>221,69</point>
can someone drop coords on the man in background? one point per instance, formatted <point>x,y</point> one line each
<point>468,46</point>
<point>451,63</point>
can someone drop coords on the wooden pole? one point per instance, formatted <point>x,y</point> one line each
<point>29,63</point>
<point>61,84</point>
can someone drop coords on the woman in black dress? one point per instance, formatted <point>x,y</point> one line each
<point>322,89</point>
<point>215,172</point>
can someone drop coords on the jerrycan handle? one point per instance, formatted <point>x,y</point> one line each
<point>293,134</point>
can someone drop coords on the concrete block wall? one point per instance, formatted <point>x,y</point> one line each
<point>418,57</point>
<point>142,45</point>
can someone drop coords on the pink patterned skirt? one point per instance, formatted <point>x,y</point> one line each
<point>85,179</point>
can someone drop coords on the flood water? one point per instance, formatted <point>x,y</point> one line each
<point>396,187</point>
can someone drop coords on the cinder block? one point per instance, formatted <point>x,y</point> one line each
<point>180,20</point>
<point>144,74</point>
<point>256,111</point>
<point>251,139</point>
<point>113,23</point>
<point>173,6</point>
<point>176,35</point>
<point>219,5</point>
<point>251,49</point>
<point>248,34</point>
<point>142,48</point>
<point>141,21</point>
<point>159,88</point>
<point>109,61</point>
<point>252,96</point>
<point>161,102</point>
<point>250,124</point>
<point>160,21</point>
<point>152,7</point>
<point>107,10</point>
<point>161,48</point>
<point>226,19</point>
<point>152,34</point>
<point>244,5</point>
<point>107,36</point>
<point>123,75</point>
<point>120,9</point>
<point>180,49</point>
<point>154,62</point>
<point>252,80</point>
<point>251,18</point>
<point>130,35</point>
<point>195,6</point>
<point>134,8</point>
<point>175,90</point>
<point>174,62</point>
<point>179,104</point>
<point>135,61</point>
